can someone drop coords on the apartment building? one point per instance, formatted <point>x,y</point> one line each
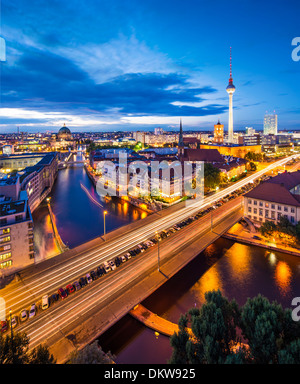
<point>274,198</point>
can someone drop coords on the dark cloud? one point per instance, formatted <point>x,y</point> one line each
<point>45,80</point>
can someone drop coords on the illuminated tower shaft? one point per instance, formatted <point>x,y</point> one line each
<point>230,90</point>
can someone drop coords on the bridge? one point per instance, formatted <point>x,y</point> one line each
<point>86,314</point>
<point>66,162</point>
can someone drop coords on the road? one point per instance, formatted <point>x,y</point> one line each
<point>53,323</point>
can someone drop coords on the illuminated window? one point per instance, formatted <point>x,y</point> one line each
<point>5,231</point>
<point>5,239</point>
<point>6,264</point>
<point>5,256</point>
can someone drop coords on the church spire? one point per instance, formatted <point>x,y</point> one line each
<point>180,142</point>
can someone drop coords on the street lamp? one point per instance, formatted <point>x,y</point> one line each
<point>158,257</point>
<point>11,336</point>
<point>104,214</point>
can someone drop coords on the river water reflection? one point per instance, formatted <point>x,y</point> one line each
<point>78,212</point>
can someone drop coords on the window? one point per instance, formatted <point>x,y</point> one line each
<point>279,207</point>
<point>267,205</point>
<point>266,213</point>
<point>278,216</point>
<point>255,211</point>
<point>292,219</point>
<point>261,212</point>
<point>5,239</point>
<point>286,209</point>
<point>6,264</point>
<point>292,210</point>
<point>249,201</point>
<point>3,221</point>
<point>5,231</point>
<point>249,209</point>
<point>255,202</point>
<point>273,206</point>
<point>273,214</point>
<point>18,218</point>
<point>5,256</point>
<point>261,204</point>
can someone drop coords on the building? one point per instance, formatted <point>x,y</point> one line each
<point>233,150</point>
<point>253,139</point>
<point>250,131</point>
<point>219,133</point>
<point>270,124</point>
<point>16,228</point>
<point>37,173</point>
<point>277,144</point>
<point>158,131</point>
<point>276,197</point>
<point>230,90</point>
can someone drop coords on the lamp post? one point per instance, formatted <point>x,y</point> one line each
<point>158,256</point>
<point>104,214</point>
<point>12,338</point>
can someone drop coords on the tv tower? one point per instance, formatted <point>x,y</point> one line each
<point>230,90</point>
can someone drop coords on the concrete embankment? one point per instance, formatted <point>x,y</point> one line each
<point>262,244</point>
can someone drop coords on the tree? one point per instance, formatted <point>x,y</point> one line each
<point>91,354</point>
<point>212,176</point>
<point>41,355</point>
<point>15,350</point>
<point>268,333</point>
<point>214,329</point>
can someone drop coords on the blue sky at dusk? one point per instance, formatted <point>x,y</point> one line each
<point>130,65</point>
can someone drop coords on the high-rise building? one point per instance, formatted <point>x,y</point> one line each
<point>250,131</point>
<point>270,124</point>
<point>219,133</point>
<point>158,131</point>
<point>230,90</point>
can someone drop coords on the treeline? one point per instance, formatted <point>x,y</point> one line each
<point>222,332</point>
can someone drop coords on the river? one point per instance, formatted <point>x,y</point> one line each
<point>239,271</point>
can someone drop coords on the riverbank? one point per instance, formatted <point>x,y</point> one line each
<point>240,234</point>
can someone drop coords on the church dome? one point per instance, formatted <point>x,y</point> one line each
<point>64,131</point>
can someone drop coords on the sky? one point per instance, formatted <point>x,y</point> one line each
<point>132,65</point>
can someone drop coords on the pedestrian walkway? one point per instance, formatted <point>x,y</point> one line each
<point>155,322</point>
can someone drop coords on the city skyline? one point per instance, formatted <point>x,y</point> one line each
<point>104,68</point>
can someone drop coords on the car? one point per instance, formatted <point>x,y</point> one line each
<point>23,315</point>
<point>62,293</point>
<point>106,267</point>
<point>70,288</point>
<point>117,261</point>
<point>77,286</point>
<point>54,298</point>
<point>127,256</point>
<point>4,326</point>
<point>45,302</point>
<point>256,237</point>
<point>32,311</point>
<point>14,321</point>
<point>82,282</point>
<point>112,265</point>
<point>94,275</point>
<point>88,278</point>
<point>100,272</point>
<point>122,258</point>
